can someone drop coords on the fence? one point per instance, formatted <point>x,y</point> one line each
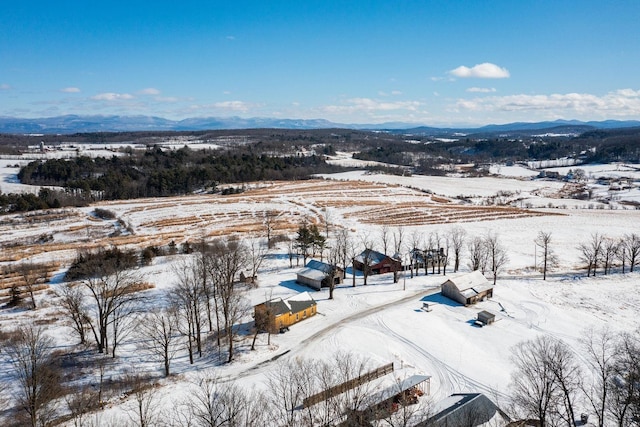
<point>347,385</point>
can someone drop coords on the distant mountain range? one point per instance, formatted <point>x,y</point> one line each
<point>80,124</point>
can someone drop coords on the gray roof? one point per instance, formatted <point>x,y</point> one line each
<point>374,257</point>
<point>468,409</point>
<point>294,304</point>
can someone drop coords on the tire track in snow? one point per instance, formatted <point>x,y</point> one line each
<point>447,375</point>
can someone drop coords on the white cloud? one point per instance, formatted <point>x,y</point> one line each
<point>149,91</point>
<point>4,86</point>
<point>233,106</point>
<point>619,103</point>
<point>481,89</point>
<point>367,104</point>
<point>485,70</point>
<point>70,90</point>
<point>110,96</point>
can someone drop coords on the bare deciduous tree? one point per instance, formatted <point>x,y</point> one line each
<point>631,246</point>
<point>496,254</point>
<point>142,408</point>
<point>30,353</point>
<point>624,405</point>
<point>256,253</point>
<point>72,300</point>
<point>31,274</point>
<point>591,252</point>
<point>186,300</point>
<point>600,350</point>
<point>546,381</point>
<point>457,237</point>
<point>610,249</point>
<point>477,254</point>
<point>384,238</point>
<point>229,258</point>
<point>158,329</point>
<point>543,241</point>
<point>269,224</point>
<point>115,295</point>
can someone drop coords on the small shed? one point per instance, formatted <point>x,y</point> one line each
<point>317,274</point>
<point>277,313</point>
<point>468,288</point>
<point>486,317</point>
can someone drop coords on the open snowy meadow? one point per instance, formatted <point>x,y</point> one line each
<point>382,322</point>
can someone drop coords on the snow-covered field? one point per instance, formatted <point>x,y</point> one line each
<point>382,321</point>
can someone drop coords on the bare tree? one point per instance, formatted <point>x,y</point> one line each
<point>416,243</point>
<point>229,258</point>
<point>366,257</point>
<point>31,274</point>
<point>398,239</point>
<point>115,295</point>
<point>534,387</point>
<point>496,254</point>
<point>142,408</point>
<point>543,241</point>
<point>631,247</point>
<point>624,405</point>
<point>568,375</point>
<point>30,353</point>
<point>269,224</point>
<point>610,249</point>
<point>343,248</point>
<point>72,300</point>
<point>600,350</point>
<point>262,321</point>
<point>256,254</point>
<point>286,385</point>
<point>457,237</point>
<point>477,254</point>
<point>186,299</point>
<point>591,252</point>
<point>158,329</point>
<point>384,238</point>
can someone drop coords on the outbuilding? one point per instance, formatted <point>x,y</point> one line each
<point>468,288</point>
<point>318,274</point>
<point>486,317</point>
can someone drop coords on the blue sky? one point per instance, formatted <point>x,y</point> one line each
<point>437,63</point>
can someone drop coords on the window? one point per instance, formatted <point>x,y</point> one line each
<point>297,316</point>
<point>304,314</point>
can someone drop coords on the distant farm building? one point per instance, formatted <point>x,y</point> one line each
<point>317,275</point>
<point>276,314</point>
<point>466,409</point>
<point>468,288</point>
<point>428,258</point>
<point>376,262</point>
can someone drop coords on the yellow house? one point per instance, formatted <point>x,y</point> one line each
<point>276,314</point>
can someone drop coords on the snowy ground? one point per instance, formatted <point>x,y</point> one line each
<point>382,321</point>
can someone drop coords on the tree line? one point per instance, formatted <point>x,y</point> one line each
<point>156,172</point>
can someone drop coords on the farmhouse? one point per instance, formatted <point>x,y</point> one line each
<point>376,262</point>
<point>317,274</point>
<point>277,313</point>
<point>468,288</point>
